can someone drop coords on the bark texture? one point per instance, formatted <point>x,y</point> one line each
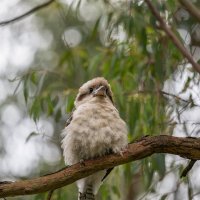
<point>185,147</point>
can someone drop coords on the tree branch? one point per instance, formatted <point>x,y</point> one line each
<point>184,147</point>
<point>164,94</point>
<point>193,10</point>
<point>30,12</point>
<point>173,37</point>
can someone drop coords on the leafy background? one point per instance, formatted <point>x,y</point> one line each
<point>44,59</point>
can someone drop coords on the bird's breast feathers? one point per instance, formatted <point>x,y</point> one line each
<point>95,130</point>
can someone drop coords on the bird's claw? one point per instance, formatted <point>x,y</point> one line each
<point>123,151</point>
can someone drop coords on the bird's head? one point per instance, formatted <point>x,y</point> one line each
<point>95,89</point>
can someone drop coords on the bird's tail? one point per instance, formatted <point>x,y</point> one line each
<point>87,194</point>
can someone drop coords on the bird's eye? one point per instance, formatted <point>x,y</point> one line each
<point>91,90</point>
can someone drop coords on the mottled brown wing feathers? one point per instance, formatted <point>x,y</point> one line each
<point>107,173</point>
<point>69,119</point>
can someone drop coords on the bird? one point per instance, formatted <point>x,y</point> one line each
<point>94,129</point>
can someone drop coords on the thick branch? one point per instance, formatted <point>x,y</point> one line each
<point>173,37</point>
<point>184,147</point>
<point>30,12</point>
<point>193,10</point>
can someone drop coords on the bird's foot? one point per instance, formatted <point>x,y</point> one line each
<point>123,151</point>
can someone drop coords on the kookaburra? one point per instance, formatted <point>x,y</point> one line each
<point>94,129</point>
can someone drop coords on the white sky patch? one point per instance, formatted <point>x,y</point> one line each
<point>185,35</point>
<point>22,155</point>
<point>3,91</point>
<point>119,34</point>
<point>46,127</point>
<point>72,37</point>
<point>196,52</point>
<point>175,84</point>
<point>167,185</point>
<point>50,153</point>
<point>6,5</point>
<point>21,40</point>
<point>182,191</point>
<point>22,56</point>
<point>5,49</point>
<point>11,115</point>
<point>194,176</point>
<point>34,39</point>
<point>182,15</point>
<point>90,11</point>
<point>21,158</point>
<point>69,2</point>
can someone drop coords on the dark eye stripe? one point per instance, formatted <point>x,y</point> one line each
<point>91,90</point>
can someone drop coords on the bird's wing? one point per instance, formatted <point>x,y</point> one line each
<point>107,173</point>
<point>69,119</point>
<point>108,170</point>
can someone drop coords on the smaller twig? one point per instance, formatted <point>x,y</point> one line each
<point>161,92</point>
<point>30,12</point>
<point>173,95</point>
<point>193,10</point>
<point>188,168</point>
<point>50,194</point>
<point>173,37</point>
<point>195,194</point>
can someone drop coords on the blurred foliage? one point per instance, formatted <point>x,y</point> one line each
<point>136,66</point>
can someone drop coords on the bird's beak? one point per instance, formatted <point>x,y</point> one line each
<point>100,91</point>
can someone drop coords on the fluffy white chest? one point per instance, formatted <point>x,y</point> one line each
<point>94,130</point>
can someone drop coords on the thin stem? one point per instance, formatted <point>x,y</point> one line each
<point>173,37</point>
<point>30,12</point>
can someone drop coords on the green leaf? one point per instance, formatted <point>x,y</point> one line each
<point>147,172</point>
<point>70,103</point>
<point>26,91</point>
<point>50,105</point>
<point>58,115</point>
<point>164,196</point>
<point>35,109</point>
<point>187,83</point>
<point>134,115</point>
<point>116,190</point>
<point>158,162</point>
<point>33,78</point>
<point>32,134</point>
